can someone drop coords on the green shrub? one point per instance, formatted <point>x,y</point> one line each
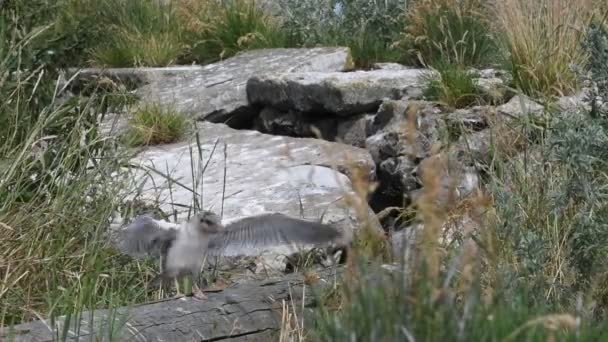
<point>533,269</point>
<point>379,307</point>
<point>596,44</point>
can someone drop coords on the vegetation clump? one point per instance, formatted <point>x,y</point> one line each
<point>454,86</point>
<point>154,124</point>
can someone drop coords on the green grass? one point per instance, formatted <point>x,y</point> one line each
<point>230,27</point>
<point>382,307</point>
<point>370,28</point>
<point>533,270</point>
<point>61,183</point>
<point>448,31</point>
<point>453,86</point>
<point>155,124</point>
<point>110,33</point>
<point>145,32</point>
<point>123,33</point>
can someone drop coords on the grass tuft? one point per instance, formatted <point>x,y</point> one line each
<point>155,124</point>
<point>229,27</point>
<point>456,32</point>
<point>543,40</point>
<point>452,85</point>
<point>370,28</point>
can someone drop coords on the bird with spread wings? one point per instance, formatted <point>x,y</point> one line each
<point>184,250</point>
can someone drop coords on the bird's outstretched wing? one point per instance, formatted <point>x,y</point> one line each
<point>144,236</point>
<point>249,235</point>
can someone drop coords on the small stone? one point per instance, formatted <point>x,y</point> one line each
<point>468,119</point>
<point>518,106</point>
<point>355,131</point>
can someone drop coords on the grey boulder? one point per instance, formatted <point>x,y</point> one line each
<point>335,93</point>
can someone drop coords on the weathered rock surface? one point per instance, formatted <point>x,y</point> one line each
<point>397,133</point>
<point>402,134</point>
<point>390,66</point>
<point>575,102</point>
<point>470,119</point>
<point>337,93</point>
<point>217,92</point>
<point>249,311</point>
<point>263,174</point>
<point>450,178</point>
<point>355,130</point>
<point>518,106</point>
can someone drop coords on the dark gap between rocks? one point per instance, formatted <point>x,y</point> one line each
<point>350,130</point>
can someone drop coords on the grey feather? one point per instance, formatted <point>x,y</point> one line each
<point>145,237</point>
<point>267,230</point>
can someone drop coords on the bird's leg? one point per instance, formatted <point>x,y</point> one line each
<point>165,278</point>
<point>178,294</point>
<point>198,293</point>
<point>197,280</point>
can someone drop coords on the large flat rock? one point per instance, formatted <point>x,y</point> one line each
<point>248,311</point>
<point>341,93</point>
<point>263,174</point>
<point>217,92</point>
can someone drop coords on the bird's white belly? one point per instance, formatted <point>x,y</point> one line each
<point>187,253</point>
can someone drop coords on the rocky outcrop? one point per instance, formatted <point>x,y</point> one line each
<point>217,92</point>
<point>306,93</point>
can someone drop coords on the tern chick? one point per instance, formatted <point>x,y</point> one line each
<point>183,251</point>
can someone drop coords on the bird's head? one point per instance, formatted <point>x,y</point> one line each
<point>207,222</point>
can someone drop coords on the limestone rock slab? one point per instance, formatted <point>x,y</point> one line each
<point>340,93</point>
<point>216,92</point>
